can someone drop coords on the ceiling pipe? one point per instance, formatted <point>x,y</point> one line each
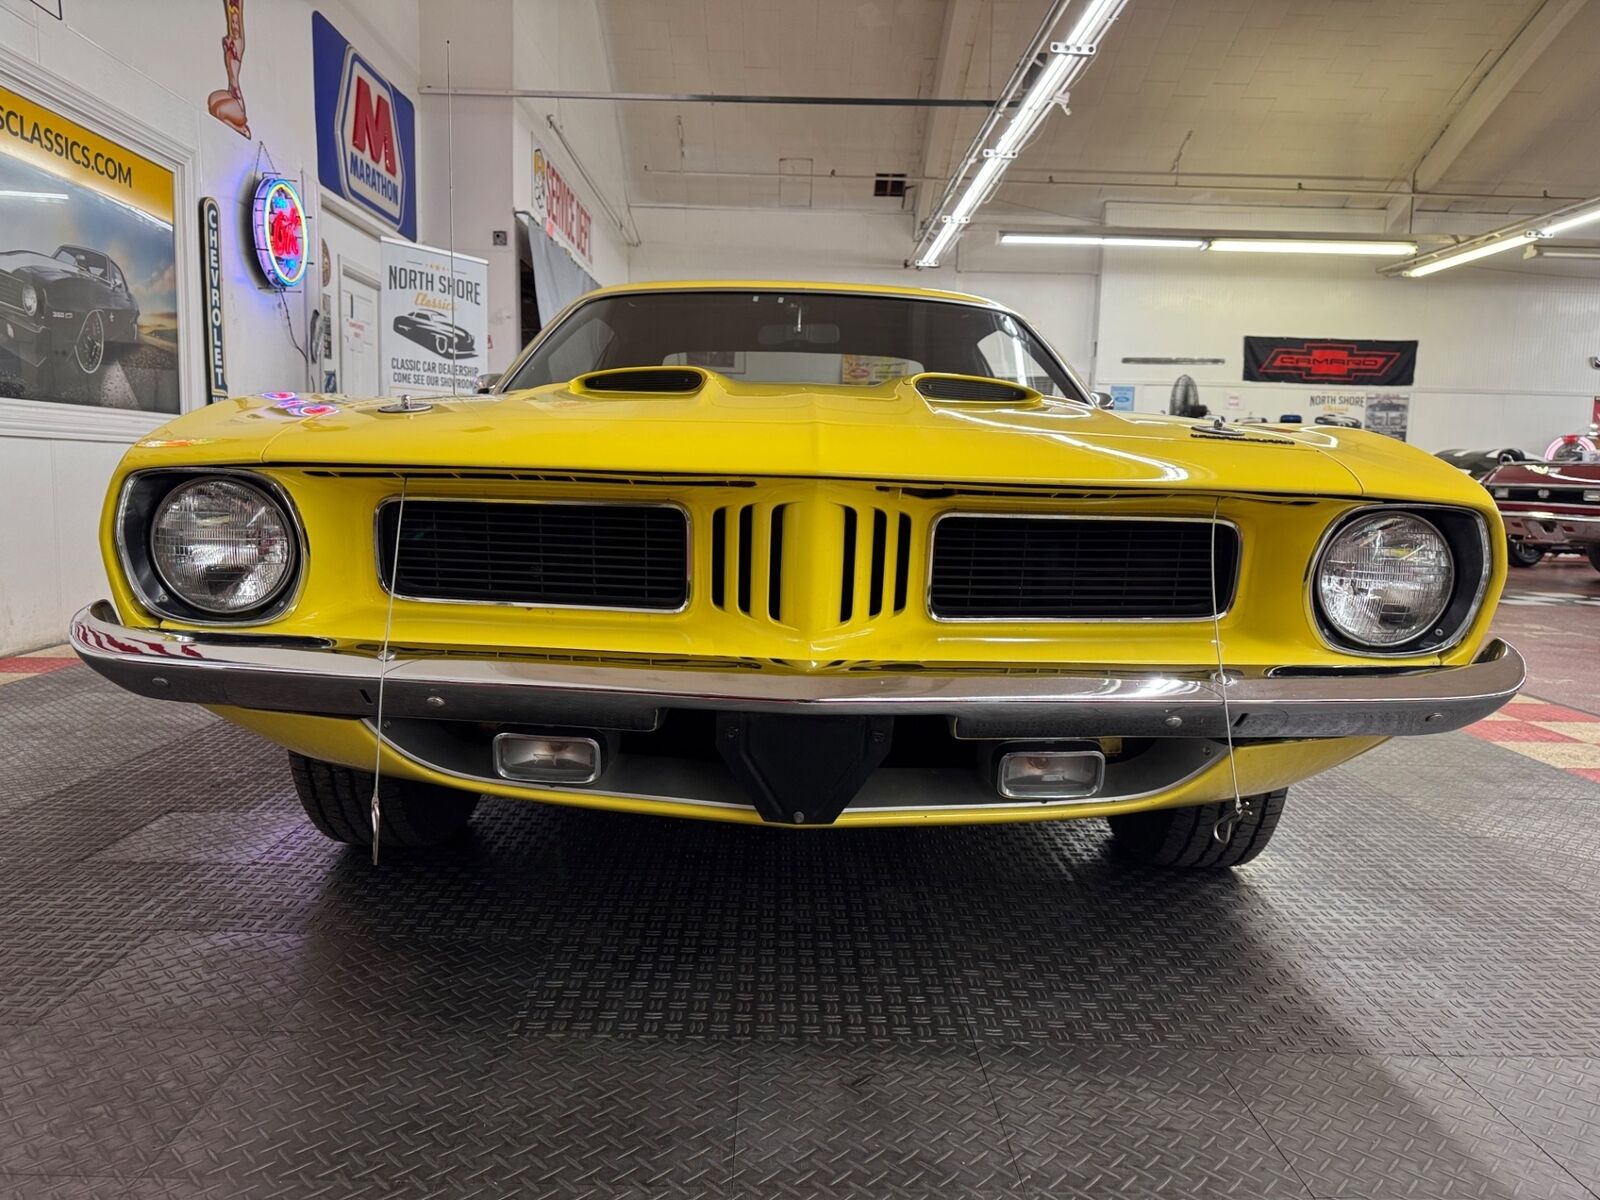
<point>712,98</point>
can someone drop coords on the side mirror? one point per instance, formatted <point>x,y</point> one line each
<point>1101,399</point>
<point>488,380</point>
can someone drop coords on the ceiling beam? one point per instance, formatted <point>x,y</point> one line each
<point>1496,84</point>
<point>950,73</point>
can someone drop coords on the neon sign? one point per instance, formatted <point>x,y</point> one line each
<point>281,237</point>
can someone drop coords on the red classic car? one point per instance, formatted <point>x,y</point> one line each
<point>1548,507</point>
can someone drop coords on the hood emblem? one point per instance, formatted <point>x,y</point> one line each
<point>405,405</point>
<point>1220,429</point>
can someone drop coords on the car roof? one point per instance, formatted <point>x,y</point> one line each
<point>793,285</point>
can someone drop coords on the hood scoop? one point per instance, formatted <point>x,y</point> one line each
<point>634,381</point>
<point>974,389</point>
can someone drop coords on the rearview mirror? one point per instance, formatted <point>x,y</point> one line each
<point>1101,399</point>
<point>488,380</point>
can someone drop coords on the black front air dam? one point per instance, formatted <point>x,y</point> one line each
<point>802,770</point>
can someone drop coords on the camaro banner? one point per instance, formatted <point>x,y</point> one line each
<point>434,322</point>
<point>1324,361</point>
<point>88,280</point>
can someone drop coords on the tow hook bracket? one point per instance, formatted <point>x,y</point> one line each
<point>802,770</point>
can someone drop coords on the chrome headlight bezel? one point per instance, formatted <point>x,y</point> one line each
<point>1466,535</point>
<point>143,494</point>
<point>32,299</point>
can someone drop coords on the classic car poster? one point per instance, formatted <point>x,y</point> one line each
<point>88,268</point>
<point>1388,413</point>
<point>434,320</point>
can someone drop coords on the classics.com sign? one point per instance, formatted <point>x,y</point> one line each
<point>366,131</point>
<point>565,218</point>
<point>63,148</point>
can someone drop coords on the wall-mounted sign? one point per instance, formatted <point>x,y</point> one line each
<point>278,222</point>
<point>434,320</point>
<point>1388,413</point>
<point>366,131</point>
<point>1121,398</point>
<point>1329,361</point>
<point>211,296</point>
<point>88,274</point>
<point>565,219</point>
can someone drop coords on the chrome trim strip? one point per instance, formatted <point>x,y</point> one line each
<point>187,667</point>
<point>288,595</point>
<point>688,552</point>
<point>1314,614</point>
<point>933,529</point>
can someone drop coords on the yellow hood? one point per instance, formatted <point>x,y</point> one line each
<point>888,432</point>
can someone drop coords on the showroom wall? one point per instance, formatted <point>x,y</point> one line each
<point>146,83</point>
<point>1503,349</point>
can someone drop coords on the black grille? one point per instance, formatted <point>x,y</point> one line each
<point>943,387</point>
<point>1052,568</point>
<point>585,555</point>
<point>667,379</point>
<point>1552,495</point>
<point>11,289</point>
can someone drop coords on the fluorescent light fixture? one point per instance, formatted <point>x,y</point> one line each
<point>1535,250</point>
<point>1461,257</point>
<point>1101,239</point>
<point>1093,22</point>
<point>1571,221</point>
<point>1311,246</point>
<point>1052,80</point>
<point>48,197</point>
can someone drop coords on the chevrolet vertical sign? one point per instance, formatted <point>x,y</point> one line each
<point>211,295</point>
<point>1324,361</point>
<point>366,132</point>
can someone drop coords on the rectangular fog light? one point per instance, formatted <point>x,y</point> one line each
<point>547,758</point>
<point>1045,774</point>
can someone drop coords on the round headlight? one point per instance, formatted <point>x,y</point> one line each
<point>1385,578</point>
<point>30,299</point>
<point>222,545</point>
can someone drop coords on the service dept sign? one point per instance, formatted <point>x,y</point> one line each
<point>434,320</point>
<point>366,131</point>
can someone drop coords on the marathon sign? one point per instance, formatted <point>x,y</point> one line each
<point>366,132</point>
<point>1324,361</point>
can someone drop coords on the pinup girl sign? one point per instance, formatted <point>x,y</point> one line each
<point>227,105</point>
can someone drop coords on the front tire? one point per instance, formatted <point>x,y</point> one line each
<point>338,800</point>
<point>1520,554</point>
<point>89,351</point>
<point>1182,837</point>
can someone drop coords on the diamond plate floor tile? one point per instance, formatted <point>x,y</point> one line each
<point>1555,1101</point>
<point>1099,1121</point>
<point>71,725</point>
<point>572,1116</point>
<point>1392,1126</point>
<point>61,1187</point>
<point>103,1102</point>
<point>41,967</point>
<point>356,1099</point>
<point>204,837</point>
<point>907,1119</point>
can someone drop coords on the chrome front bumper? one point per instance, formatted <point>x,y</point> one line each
<point>1552,528</point>
<point>234,671</point>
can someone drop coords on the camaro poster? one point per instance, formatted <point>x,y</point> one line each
<point>88,267</point>
<point>434,320</point>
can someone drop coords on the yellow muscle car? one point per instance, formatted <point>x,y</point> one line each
<point>802,554</point>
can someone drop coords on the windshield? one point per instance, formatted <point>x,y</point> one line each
<point>794,337</point>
